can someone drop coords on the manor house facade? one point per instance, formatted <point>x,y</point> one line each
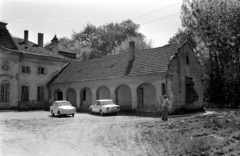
<point>25,68</point>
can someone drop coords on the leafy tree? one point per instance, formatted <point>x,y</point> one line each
<point>179,37</point>
<point>215,24</point>
<point>140,44</point>
<point>94,42</point>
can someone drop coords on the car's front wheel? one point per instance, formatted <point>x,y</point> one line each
<point>72,115</point>
<point>59,113</point>
<point>101,113</point>
<point>52,113</point>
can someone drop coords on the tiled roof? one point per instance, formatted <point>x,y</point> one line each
<point>146,62</point>
<point>33,48</point>
<point>6,40</point>
<point>60,48</point>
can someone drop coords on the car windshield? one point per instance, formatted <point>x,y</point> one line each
<point>63,103</point>
<point>107,102</point>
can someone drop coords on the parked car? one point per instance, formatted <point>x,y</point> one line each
<point>62,108</point>
<point>104,106</point>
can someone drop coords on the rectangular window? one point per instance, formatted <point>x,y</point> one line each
<point>25,69</point>
<point>25,93</point>
<point>5,93</point>
<point>40,93</point>
<point>41,70</point>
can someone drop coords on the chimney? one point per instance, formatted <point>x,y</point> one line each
<point>55,42</point>
<point>131,50</point>
<point>40,39</point>
<point>25,36</point>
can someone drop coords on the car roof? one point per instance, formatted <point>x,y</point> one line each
<point>61,101</point>
<point>105,100</point>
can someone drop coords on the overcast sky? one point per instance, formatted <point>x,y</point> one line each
<point>61,17</point>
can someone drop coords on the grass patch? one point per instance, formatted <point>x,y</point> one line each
<point>178,144</point>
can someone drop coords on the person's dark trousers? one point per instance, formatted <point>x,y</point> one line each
<point>164,114</point>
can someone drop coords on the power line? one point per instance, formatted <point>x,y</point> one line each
<point>160,19</point>
<point>155,11</point>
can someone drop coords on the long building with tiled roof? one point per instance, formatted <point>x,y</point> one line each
<point>146,62</point>
<point>136,80</point>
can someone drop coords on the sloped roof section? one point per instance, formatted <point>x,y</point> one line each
<point>33,48</point>
<point>146,62</point>
<point>60,48</point>
<point>6,40</point>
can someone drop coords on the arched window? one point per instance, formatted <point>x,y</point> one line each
<point>163,89</point>
<point>5,91</point>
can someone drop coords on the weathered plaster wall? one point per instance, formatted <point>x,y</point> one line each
<point>147,96</point>
<point>33,79</point>
<point>10,61</point>
<point>113,84</point>
<point>71,96</point>
<point>174,84</point>
<point>123,96</point>
<point>88,100</point>
<point>193,70</point>
<point>103,93</point>
<point>179,69</point>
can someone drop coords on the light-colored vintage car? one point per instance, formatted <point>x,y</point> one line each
<point>104,106</point>
<point>62,108</point>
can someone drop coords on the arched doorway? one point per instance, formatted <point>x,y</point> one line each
<point>85,97</point>
<point>58,95</point>
<point>103,93</point>
<point>123,96</point>
<point>71,96</point>
<point>147,97</point>
<point>5,91</point>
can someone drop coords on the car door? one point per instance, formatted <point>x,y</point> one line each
<point>98,106</point>
<point>94,107</point>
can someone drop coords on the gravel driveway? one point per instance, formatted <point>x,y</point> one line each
<point>39,134</point>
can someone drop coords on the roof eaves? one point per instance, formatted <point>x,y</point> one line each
<point>10,49</point>
<point>58,73</point>
<point>112,77</point>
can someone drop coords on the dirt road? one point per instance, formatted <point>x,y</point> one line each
<point>39,134</point>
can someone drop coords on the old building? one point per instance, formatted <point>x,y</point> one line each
<point>136,80</point>
<point>25,69</point>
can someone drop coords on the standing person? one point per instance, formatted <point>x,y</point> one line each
<point>165,105</point>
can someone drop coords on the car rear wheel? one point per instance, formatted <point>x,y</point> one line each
<point>59,113</point>
<point>52,113</point>
<point>101,113</point>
